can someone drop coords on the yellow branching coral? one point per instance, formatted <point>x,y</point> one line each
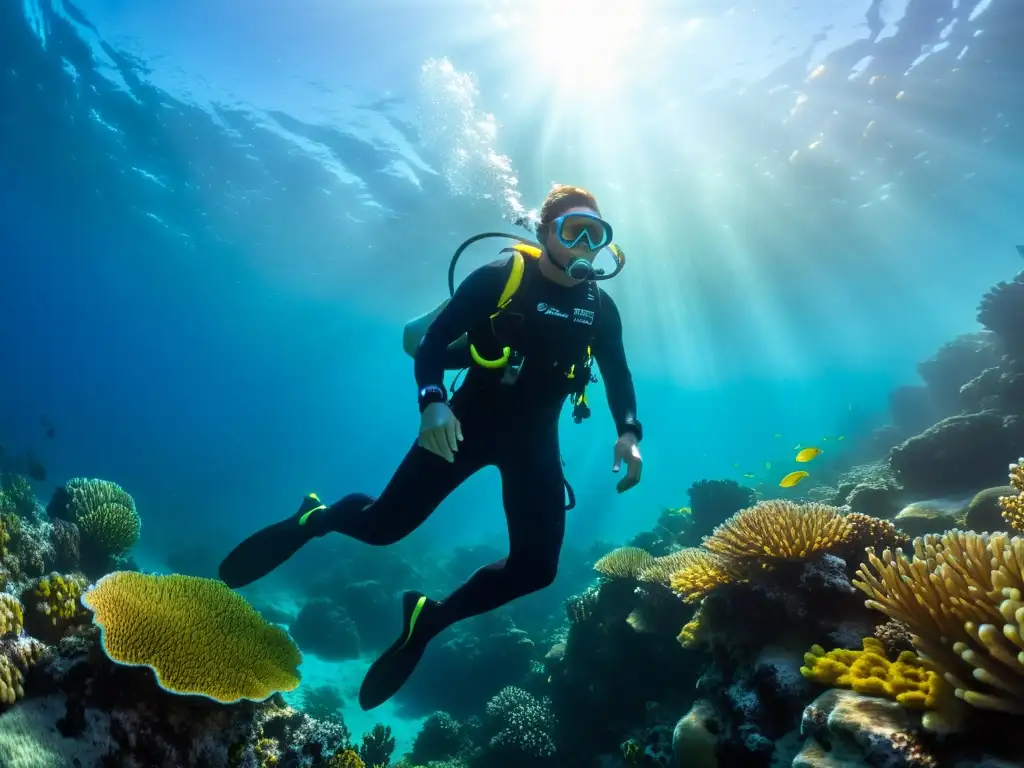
<point>908,680</point>
<point>53,605</point>
<point>1013,506</point>
<point>197,635</point>
<point>962,596</point>
<point>624,563</point>
<point>776,530</point>
<point>699,571</point>
<point>11,615</point>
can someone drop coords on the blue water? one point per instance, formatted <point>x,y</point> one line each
<point>215,218</point>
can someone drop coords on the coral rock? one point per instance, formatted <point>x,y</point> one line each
<point>860,731</point>
<point>932,515</point>
<point>958,455</point>
<point>694,740</point>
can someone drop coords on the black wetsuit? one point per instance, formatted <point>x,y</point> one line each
<point>512,427</point>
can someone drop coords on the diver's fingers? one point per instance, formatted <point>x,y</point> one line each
<point>634,469</point>
<point>451,433</point>
<point>458,429</point>
<point>442,441</point>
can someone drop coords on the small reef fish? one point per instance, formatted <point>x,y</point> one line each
<point>749,475</point>
<point>793,478</point>
<point>807,454</point>
<point>767,465</point>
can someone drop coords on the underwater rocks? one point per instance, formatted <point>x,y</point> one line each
<point>1002,312</point>
<point>955,364</point>
<point>695,738</point>
<point>870,489</point>
<point>712,502</point>
<point>960,454</point>
<point>848,730</point>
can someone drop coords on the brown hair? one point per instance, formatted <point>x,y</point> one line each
<point>561,198</point>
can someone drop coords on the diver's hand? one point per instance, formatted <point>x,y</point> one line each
<point>440,431</point>
<point>627,450</point>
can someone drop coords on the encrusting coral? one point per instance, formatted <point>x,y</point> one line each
<point>960,594</point>
<point>1013,506</point>
<point>907,681</point>
<point>197,635</point>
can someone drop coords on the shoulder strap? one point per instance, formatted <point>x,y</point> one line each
<point>520,253</point>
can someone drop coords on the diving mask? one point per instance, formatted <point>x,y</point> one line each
<point>589,231</point>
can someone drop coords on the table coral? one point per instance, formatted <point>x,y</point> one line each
<point>197,635</point>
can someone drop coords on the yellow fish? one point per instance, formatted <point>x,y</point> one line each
<point>807,454</point>
<point>793,478</point>
<point>841,437</point>
<point>749,475</point>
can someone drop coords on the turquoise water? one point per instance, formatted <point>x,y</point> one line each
<point>216,217</point>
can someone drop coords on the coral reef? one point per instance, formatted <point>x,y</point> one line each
<point>377,746</point>
<point>960,596</point>
<point>907,681</point>
<point>520,729</point>
<point>105,515</point>
<point>1002,312</point>
<point>53,606</point>
<point>197,636</point>
<point>1012,504</point>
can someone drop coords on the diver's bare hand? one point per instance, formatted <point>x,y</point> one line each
<point>440,431</point>
<point>627,450</point>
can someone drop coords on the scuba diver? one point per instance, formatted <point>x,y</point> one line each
<point>528,328</point>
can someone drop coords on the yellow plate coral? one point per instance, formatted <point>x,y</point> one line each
<point>197,635</point>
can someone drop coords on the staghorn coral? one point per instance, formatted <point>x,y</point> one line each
<point>1013,506</point>
<point>700,571</point>
<point>197,635</point>
<point>624,563</point>
<point>11,615</point>
<point>907,681</point>
<point>103,511</point>
<point>53,605</point>
<point>778,530</point>
<point>961,596</point>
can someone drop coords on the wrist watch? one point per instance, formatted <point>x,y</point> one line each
<point>634,427</point>
<point>432,393</point>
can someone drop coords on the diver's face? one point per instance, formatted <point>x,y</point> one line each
<point>561,255</point>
